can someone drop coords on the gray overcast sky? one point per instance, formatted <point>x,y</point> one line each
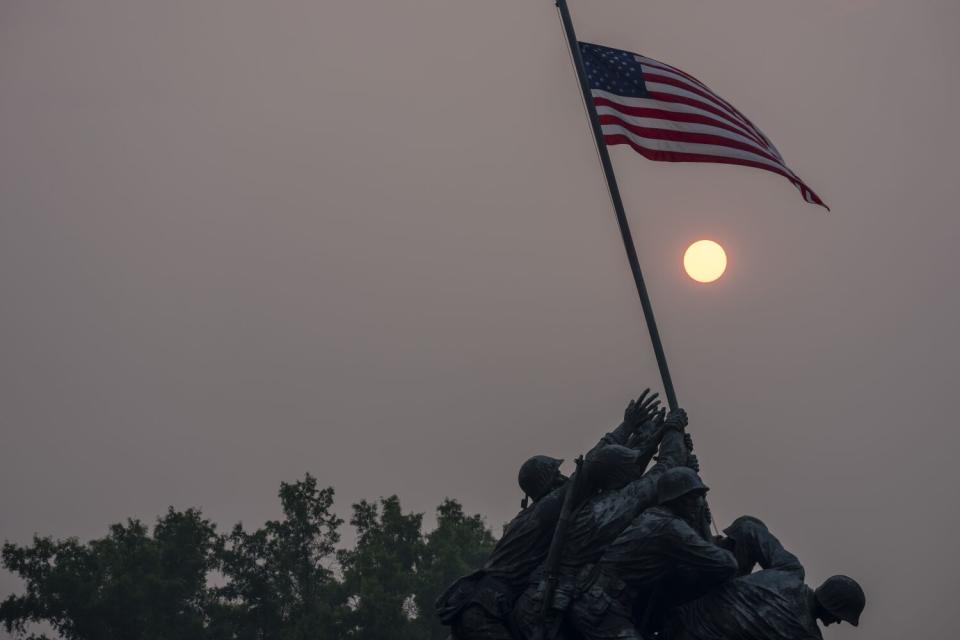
<point>240,241</point>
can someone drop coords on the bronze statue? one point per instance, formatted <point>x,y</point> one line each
<point>601,518</point>
<point>661,559</point>
<point>770,604</point>
<point>478,606</point>
<point>631,556</point>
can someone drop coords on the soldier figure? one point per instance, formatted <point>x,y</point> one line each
<point>771,604</point>
<point>629,570</point>
<point>478,606</point>
<point>603,517</point>
<point>662,558</point>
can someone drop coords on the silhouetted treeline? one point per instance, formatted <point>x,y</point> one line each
<point>287,580</point>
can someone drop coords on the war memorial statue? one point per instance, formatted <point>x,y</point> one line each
<point>620,550</point>
<point>623,550</point>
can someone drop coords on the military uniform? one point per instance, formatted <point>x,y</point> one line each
<point>595,525</point>
<point>658,560</point>
<point>478,606</point>
<point>770,604</point>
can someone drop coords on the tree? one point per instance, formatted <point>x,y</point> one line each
<point>128,584</point>
<point>284,581</point>
<point>460,544</point>
<point>379,572</point>
<point>279,579</point>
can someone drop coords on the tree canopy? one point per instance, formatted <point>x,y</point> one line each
<point>287,580</point>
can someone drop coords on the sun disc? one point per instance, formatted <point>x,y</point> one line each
<point>705,261</point>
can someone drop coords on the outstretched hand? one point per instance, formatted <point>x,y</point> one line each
<point>649,432</point>
<point>660,416</point>
<point>641,410</point>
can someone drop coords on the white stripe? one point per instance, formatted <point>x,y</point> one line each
<point>677,91</point>
<point>651,68</point>
<point>675,107</point>
<point>694,147</point>
<point>718,103</point>
<point>739,121</point>
<point>674,125</point>
<point>665,67</point>
<point>770,145</point>
<point>709,150</point>
<point>717,100</point>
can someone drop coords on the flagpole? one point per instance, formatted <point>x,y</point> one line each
<point>618,205</point>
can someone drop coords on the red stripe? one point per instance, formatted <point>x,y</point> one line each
<point>673,156</point>
<point>709,95</point>
<point>673,116</point>
<point>716,97</point>
<point>650,61</point>
<point>689,136</point>
<point>708,89</point>
<point>680,156</point>
<point>717,119</point>
<point>669,97</point>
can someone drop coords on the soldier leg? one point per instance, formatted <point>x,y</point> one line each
<point>674,630</point>
<point>475,623</point>
<point>677,634</point>
<point>595,615</point>
<point>527,622</point>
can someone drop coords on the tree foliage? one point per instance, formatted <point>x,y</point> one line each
<point>380,572</point>
<point>128,584</point>
<point>287,580</point>
<point>458,545</point>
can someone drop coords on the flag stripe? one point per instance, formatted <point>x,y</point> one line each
<point>666,67</point>
<point>688,90</point>
<point>676,156</point>
<point>666,151</point>
<point>656,134</point>
<point>668,115</point>
<point>657,88</point>
<point>718,153</point>
<point>674,98</point>
<point>682,132</point>
<point>650,71</point>
<point>667,112</point>
<point>698,148</point>
<point>672,106</point>
<point>697,86</point>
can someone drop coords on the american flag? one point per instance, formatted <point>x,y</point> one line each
<point>668,115</point>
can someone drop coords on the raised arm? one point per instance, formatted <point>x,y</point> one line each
<point>623,505</point>
<point>646,439</point>
<point>637,413</point>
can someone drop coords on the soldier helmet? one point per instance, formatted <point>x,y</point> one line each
<point>611,466</point>
<point>678,482</point>
<point>739,527</point>
<point>537,475</point>
<point>843,597</point>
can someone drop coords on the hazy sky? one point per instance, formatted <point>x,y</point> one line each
<point>241,241</point>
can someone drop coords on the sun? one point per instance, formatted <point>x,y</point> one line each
<point>705,261</point>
